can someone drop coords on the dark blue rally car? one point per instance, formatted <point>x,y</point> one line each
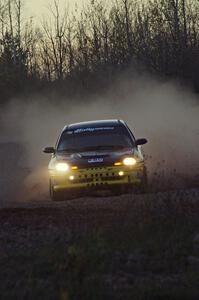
<point>96,155</point>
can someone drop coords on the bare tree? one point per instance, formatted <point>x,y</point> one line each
<point>55,38</point>
<point>10,14</point>
<point>162,35</point>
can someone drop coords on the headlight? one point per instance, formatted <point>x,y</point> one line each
<point>62,167</point>
<point>129,161</point>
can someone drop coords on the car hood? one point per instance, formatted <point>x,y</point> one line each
<point>93,158</point>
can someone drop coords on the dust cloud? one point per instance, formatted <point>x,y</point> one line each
<point>163,112</point>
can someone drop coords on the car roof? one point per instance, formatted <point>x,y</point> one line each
<point>96,123</point>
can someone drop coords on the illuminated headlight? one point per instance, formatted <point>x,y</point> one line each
<point>62,167</point>
<point>129,161</point>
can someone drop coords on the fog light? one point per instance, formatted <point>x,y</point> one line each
<point>121,173</point>
<point>72,177</point>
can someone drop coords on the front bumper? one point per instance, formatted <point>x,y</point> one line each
<point>99,177</point>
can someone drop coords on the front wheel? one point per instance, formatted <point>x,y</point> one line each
<point>143,187</point>
<point>55,195</point>
<point>60,195</point>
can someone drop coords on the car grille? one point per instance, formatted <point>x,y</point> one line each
<point>97,176</point>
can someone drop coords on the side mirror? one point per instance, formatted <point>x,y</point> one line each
<point>140,142</point>
<point>49,150</point>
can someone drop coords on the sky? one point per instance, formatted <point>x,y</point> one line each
<point>37,8</point>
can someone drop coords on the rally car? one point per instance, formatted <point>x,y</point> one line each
<point>100,155</point>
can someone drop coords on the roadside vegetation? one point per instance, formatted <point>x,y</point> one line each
<point>80,52</point>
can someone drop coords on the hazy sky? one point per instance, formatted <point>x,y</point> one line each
<point>37,8</point>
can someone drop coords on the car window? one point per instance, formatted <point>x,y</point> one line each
<point>91,138</point>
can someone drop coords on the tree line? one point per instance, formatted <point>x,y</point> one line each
<point>82,50</point>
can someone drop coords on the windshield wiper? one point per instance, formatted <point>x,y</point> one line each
<point>68,150</point>
<point>118,146</point>
<point>93,148</point>
<point>103,147</point>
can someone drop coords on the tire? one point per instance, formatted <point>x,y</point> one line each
<point>60,195</point>
<point>122,190</point>
<point>55,195</point>
<point>143,188</point>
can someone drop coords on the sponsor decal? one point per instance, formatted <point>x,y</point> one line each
<point>90,129</point>
<point>95,160</point>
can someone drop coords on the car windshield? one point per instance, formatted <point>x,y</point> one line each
<point>88,139</point>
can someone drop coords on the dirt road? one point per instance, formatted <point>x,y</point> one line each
<point>25,186</point>
<point>124,247</point>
